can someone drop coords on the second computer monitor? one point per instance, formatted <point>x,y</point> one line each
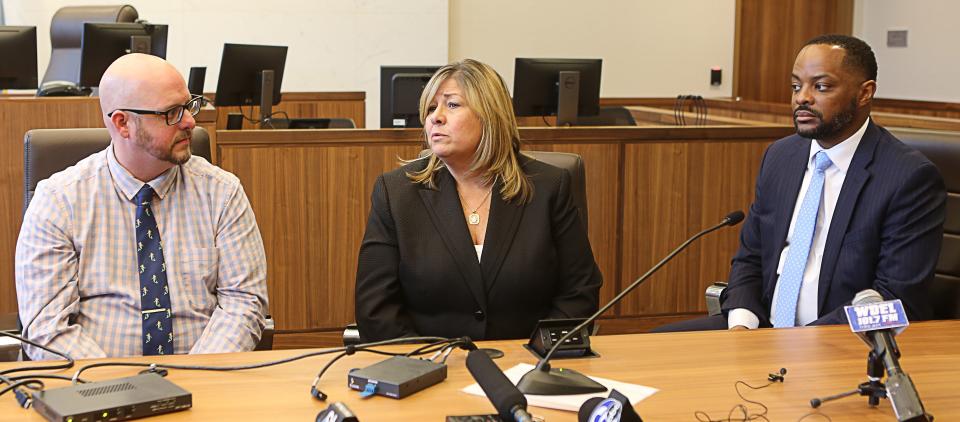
<point>400,89</point>
<point>536,85</point>
<point>102,43</point>
<point>241,70</point>
<point>18,57</point>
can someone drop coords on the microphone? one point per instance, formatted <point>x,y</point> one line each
<point>543,380</point>
<point>900,389</point>
<point>510,403</point>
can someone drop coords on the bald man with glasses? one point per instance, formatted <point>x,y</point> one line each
<point>141,249</point>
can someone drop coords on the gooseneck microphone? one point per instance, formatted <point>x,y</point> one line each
<point>543,380</point>
<point>900,389</point>
<point>509,401</point>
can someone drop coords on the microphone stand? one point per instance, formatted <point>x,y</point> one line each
<point>873,389</point>
<point>543,380</point>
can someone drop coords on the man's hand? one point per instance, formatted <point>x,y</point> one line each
<point>738,328</point>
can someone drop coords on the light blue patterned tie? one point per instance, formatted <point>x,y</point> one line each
<point>792,275</point>
<point>154,291</point>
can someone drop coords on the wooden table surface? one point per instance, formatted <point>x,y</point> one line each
<point>694,371</point>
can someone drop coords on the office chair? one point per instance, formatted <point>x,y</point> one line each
<point>573,163</point>
<point>943,149</point>
<point>325,123</point>
<point>66,32</point>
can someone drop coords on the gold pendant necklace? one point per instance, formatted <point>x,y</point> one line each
<point>474,218</point>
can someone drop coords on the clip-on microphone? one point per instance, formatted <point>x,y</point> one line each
<point>543,380</point>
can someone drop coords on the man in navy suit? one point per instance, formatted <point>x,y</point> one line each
<point>840,207</point>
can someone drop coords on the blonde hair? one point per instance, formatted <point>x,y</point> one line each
<point>486,95</point>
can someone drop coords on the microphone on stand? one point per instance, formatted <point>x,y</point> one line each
<point>543,380</point>
<point>900,389</point>
<point>510,402</point>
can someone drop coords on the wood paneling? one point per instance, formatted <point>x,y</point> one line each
<point>648,188</point>
<point>768,35</point>
<point>350,105</point>
<point>923,108</point>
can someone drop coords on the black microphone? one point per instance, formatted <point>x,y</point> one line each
<point>509,401</point>
<point>900,389</point>
<point>552,382</point>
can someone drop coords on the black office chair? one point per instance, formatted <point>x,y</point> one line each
<point>943,149</point>
<point>573,163</point>
<point>325,123</point>
<point>48,151</point>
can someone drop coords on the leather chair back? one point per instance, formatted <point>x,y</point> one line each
<point>943,149</point>
<point>66,32</point>
<point>573,163</point>
<point>47,151</point>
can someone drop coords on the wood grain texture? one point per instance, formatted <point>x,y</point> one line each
<point>671,191</point>
<point>692,371</point>
<point>310,191</point>
<point>768,35</point>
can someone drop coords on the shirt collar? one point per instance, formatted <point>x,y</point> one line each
<point>840,154</point>
<point>129,185</point>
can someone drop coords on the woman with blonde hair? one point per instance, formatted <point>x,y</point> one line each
<point>474,239</point>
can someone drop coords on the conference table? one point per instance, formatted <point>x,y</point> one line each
<point>693,372</point>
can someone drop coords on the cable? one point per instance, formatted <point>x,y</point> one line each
<point>69,364</point>
<point>745,415</point>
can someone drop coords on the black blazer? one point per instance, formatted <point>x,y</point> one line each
<point>885,233</point>
<point>418,272</point>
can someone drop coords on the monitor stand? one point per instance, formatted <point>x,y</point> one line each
<point>568,97</point>
<point>266,97</point>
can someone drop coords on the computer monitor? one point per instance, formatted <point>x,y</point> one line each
<point>537,90</point>
<point>400,89</point>
<point>241,80</point>
<point>18,57</point>
<point>102,43</point>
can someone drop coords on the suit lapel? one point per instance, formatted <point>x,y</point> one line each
<point>502,226</point>
<point>443,207</point>
<point>857,176</point>
<point>788,189</point>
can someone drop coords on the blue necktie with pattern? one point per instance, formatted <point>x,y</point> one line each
<point>154,292</point>
<point>791,278</point>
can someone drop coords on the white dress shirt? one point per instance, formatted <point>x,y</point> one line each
<point>840,155</point>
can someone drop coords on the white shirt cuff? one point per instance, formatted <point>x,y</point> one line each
<point>742,316</point>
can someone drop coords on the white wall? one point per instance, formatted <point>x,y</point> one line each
<point>927,68</point>
<point>335,45</point>
<point>649,48</point>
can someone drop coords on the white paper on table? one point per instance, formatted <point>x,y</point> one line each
<point>8,341</point>
<point>572,402</point>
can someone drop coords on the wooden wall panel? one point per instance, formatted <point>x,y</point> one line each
<point>310,190</point>
<point>311,203</point>
<point>671,191</point>
<point>768,35</point>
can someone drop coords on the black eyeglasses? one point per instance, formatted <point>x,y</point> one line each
<point>172,115</point>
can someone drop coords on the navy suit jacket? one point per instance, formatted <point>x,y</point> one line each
<point>885,234</point>
<point>418,272</point>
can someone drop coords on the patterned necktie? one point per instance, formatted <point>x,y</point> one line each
<point>154,292</point>
<point>791,278</point>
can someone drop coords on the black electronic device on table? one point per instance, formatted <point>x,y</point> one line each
<point>566,88</point>
<point>397,377</point>
<point>120,399</point>
<point>549,331</point>
<point>251,75</point>
<point>400,89</point>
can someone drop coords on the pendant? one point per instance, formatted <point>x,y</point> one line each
<point>473,218</point>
